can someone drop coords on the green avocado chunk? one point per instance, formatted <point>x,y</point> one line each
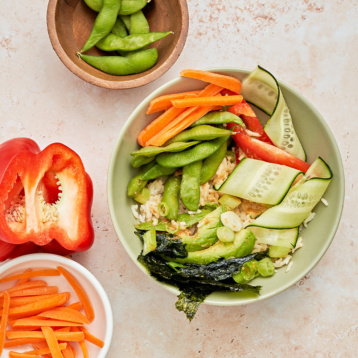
<point>242,246</point>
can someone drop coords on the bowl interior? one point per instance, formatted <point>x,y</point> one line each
<point>317,140</point>
<point>101,327</point>
<point>70,23</point>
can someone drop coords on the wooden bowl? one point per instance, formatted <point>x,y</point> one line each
<point>70,22</point>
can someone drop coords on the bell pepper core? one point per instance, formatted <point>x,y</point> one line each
<point>44,196</point>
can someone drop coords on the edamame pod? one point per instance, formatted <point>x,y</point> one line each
<point>128,6</point>
<point>203,132</point>
<point>219,118</point>
<point>127,21</point>
<point>211,164</point>
<point>191,155</point>
<point>133,42</point>
<point>138,23</point>
<point>139,161</point>
<point>170,196</point>
<point>104,23</point>
<point>119,29</point>
<point>122,66</point>
<point>153,151</point>
<point>158,171</point>
<point>190,186</point>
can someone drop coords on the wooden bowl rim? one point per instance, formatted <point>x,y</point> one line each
<point>141,81</point>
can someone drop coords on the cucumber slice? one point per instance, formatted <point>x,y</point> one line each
<point>259,181</point>
<point>300,200</point>
<point>283,238</point>
<point>278,251</point>
<point>262,90</point>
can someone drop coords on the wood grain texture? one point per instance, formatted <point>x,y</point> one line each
<point>69,23</point>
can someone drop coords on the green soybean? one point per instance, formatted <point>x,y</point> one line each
<point>190,186</point>
<point>104,23</point>
<point>153,151</point>
<point>127,21</point>
<point>191,155</point>
<point>170,196</point>
<point>218,118</point>
<point>122,66</point>
<point>128,6</point>
<point>139,23</point>
<point>200,133</point>
<point>133,42</point>
<point>139,161</point>
<point>119,28</point>
<point>211,164</point>
<point>158,171</point>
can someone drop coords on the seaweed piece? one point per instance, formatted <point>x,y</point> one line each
<point>167,245</point>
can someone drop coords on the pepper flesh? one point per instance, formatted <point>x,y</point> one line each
<point>45,198</point>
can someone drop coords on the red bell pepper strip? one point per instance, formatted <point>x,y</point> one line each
<point>44,196</point>
<point>5,250</point>
<point>252,123</point>
<point>265,151</point>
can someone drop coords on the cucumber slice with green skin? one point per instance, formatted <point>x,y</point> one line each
<point>261,89</point>
<point>299,201</point>
<point>259,181</point>
<point>284,238</point>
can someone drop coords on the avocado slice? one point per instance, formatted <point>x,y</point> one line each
<point>206,234</point>
<point>242,246</point>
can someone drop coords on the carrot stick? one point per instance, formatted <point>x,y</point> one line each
<point>24,286</point>
<point>65,314</point>
<point>22,341</point>
<point>32,322</point>
<point>3,323</point>
<point>82,343</point>
<point>40,351</point>
<point>75,306</point>
<point>92,339</point>
<point>21,301</point>
<point>207,101</point>
<point>169,115</point>
<point>24,280</point>
<point>37,291</point>
<point>61,336</point>
<point>46,272</point>
<point>52,342</point>
<point>162,103</point>
<point>23,355</point>
<point>67,352</point>
<point>227,82</point>
<point>87,306</point>
<point>184,123</point>
<point>38,307</point>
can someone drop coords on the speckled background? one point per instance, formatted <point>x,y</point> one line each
<point>313,46</point>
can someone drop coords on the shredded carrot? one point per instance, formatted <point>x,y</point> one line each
<point>91,338</point>
<point>169,115</point>
<point>61,336</point>
<point>24,280</point>
<point>65,314</point>
<point>207,101</point>
<point>36,291</point>
<point>224,81</point>
<point>21,301</point>
<point>4,318</point>
<point>162,103</point>
<point>38,307</point>
<point>75,306</point>
<point>52,342</point>
<point>38,273</point>
<point>32,322</point>
<point>87,306</point>
<point>24,286</point>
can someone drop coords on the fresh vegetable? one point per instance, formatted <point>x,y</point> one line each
<point>216,118</point>
<point>225,234</point>
<point>171,197</point>
<point>4,319</point>
<point>149,242</point>
<point>190,185</point>
<point>206,101</point>
<point>265,267</point>
<point>56,191</point>
<point>247,273</point>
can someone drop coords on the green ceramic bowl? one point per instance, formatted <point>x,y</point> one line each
<point>317,140</point>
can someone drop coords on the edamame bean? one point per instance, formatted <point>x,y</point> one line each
<point>127,21</point>
<point>211,164</point>
<point>200,133</point>
<point>122,66</point>
<point>119,29</point>
<point>139,23</point>
<point>191,155</point>
<point>104,23</point>
<point>218,118</point>
<point>134,42</point>
<point>153,151</point>
<point>190,186</point>
<point>128,6</point>
<point>170,196</point>
<point>139,161</point>
<point>158,171</point>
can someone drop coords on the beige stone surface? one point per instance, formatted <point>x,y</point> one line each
<point>312,45</point>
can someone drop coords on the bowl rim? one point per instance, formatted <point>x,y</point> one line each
<point>138,82</point>
<point>174,289</point>
<point>78,268</point>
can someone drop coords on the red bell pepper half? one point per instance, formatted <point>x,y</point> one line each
<point>45,199</point>
<point>265,151</point>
